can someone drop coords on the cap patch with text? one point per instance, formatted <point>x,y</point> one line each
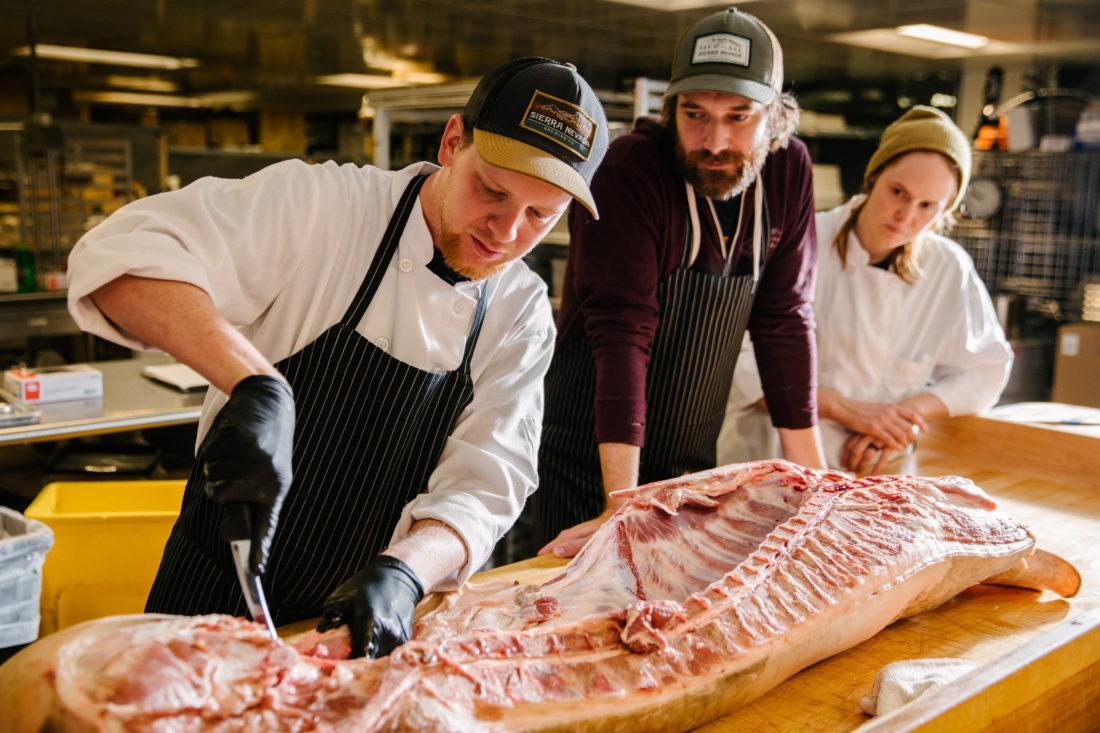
<point>722,48</point>
<point>539,117</point>
<point>560,121</point>
<point>729,52</point>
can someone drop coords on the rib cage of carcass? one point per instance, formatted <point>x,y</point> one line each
<point>699,595</point>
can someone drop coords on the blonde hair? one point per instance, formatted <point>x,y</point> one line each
<point>904,264</point>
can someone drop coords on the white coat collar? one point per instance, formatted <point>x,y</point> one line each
<point>416,240</point>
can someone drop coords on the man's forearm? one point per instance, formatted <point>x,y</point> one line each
<point>802,446</point>
<point>619,464</point>
<point>433,550</point>
<point>182,320</point>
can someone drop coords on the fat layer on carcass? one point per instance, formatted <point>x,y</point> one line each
<point>699,595</point>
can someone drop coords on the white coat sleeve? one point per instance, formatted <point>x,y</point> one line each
<point>974,359</point>
<point>239,240</point>
<point>489,464</point>
<point>746,388</point>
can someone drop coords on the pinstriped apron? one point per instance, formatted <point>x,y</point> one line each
<point>703,317</point>
<point>369,432</point>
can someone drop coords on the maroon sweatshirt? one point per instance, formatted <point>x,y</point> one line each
<point>617,263</point>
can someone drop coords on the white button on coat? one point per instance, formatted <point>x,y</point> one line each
<point>406,265</point>
<point>383,343</point>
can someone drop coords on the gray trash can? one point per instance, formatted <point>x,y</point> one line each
<point>23,546</point>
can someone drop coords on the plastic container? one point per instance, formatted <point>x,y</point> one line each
<point>109,540</point>
<point>23,546</point>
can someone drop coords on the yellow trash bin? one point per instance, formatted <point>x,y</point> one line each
<point>108,540</point>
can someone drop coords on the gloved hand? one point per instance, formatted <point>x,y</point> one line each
<point>248,460</point>
<point>377,604</point>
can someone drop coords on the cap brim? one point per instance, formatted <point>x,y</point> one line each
<point>513,155</point>
<point>754,90</point>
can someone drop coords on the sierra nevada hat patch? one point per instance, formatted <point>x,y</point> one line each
<point>560,121</point>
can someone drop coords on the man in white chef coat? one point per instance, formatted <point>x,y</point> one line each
<point>376,353</point>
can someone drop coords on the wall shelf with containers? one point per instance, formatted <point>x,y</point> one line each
<point>57,182</point>
<point>1031,222</point>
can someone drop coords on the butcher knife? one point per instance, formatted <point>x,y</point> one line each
<point>238,524</point>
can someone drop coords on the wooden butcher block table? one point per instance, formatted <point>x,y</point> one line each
<point>1039,655</point>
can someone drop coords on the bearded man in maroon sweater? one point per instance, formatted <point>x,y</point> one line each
<point>706,230</point>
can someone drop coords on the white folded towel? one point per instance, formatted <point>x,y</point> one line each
<point>900,682</point>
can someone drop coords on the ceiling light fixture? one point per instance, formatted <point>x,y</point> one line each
<point>100,56</point>
<point>142,83</point>
<point>359,81</point>
<point>211,99</point>
<point>937,34</point>
<point>136,98</point>
<point>412,76</point>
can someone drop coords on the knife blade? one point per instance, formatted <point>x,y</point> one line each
<point>251,586</point>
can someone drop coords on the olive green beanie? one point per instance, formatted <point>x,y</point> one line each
<point>924,128</point>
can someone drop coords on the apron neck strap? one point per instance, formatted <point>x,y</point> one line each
<point>386,249</point>
<point>475,327</point>
<point>757,225</point>
<point>691,250</point>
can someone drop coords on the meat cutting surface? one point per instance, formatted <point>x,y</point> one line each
<point>700,594</point>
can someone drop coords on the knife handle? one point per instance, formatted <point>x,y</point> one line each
<point>237,521</point>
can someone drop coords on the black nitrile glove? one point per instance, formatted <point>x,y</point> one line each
<point>248,460</point>
<point>377,604</point>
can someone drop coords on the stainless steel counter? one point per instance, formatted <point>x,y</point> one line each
<point>130,402</point>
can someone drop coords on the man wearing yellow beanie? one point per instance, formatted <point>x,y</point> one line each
<point>906,332</point>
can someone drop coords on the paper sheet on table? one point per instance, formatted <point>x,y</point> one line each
<point>179,376</point>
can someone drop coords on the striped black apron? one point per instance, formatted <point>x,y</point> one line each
<point>702,322</point>
<point>370,429</point>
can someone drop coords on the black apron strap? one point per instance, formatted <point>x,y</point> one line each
<point>475,328</point>
<point>382,257</point>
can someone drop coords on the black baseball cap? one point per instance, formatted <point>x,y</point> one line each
<point>539,117</point>
<point>730,52</point>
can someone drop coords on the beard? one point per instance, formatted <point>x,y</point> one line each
<point>717,184</point>
<point>450,246</point>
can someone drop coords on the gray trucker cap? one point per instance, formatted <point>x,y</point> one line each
<point>731,52</point>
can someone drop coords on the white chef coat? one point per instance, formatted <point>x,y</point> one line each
<point>282,253</point>
<point>880,339</point>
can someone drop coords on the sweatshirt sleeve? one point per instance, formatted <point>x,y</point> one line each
<point>615,271</point>
<point>782,320</point>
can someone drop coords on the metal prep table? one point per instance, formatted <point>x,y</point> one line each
<point>130,402</point>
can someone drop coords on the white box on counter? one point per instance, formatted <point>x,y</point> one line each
<point>54,384</point>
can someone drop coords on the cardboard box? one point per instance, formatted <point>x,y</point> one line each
<point>54,384</point>
<point>1077,365</point>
